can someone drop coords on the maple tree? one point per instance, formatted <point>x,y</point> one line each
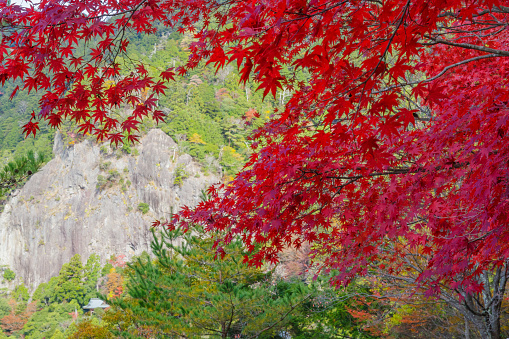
<point>395,128</point>
<point>406,311</point>
<point>399,133</point>
<point>114,284</point>
<point>19,315</point>
<point>114,279</point>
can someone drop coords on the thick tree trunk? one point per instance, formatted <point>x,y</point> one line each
<point>493,325</point>
<point>224,333</point>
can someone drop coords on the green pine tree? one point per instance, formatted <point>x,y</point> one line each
<point>91,274</point>
<point>187,291</point>
<point>70,282</point>
<point>18,170</point>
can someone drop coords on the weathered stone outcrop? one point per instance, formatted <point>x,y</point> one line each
<point>86,201</point>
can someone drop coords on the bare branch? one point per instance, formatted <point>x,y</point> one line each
<point>464,45</point>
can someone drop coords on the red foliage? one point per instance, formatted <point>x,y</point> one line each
<point>15,321</point>
<point>12,323</point>
<point>409,110</point>
<point>74,315</point>
<point>391,156</point>
<point>250,114</point>
<point>407,99</point>
<point>118,261</point>
<point>221,94</point>
<point>114,284</point>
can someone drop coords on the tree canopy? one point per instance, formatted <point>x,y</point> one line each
<point>185,290</point>
<point>393,139</point>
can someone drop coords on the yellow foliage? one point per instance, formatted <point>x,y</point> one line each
<point>196,138</point>
<point>232,152</point>
<point>400,313</point>
<point>109,83</point>
<point>227,178</point>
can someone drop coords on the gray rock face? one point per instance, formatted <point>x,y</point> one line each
<point>86,201</point>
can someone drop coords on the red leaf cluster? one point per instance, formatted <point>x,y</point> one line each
<point>394,136</point>
<point>397,132</point>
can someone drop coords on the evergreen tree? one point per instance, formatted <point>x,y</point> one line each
<point>19,169</point>
<point>187,291</point>
<point>70,281</point>
<point>47,321</point>
<point>21,294</point>
<point>44,294</point>
<point>91,273</point>
<point>5,309</point>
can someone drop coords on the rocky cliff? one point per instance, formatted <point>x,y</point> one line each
<point>92,199</point>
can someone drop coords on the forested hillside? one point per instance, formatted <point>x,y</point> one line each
<point>13,115</point>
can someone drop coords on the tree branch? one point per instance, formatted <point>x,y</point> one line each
<point>439,74</point>
<point>464,45</point>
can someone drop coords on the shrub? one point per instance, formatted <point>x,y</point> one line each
<point>113,174</point>
<point>126,148</point>
<point>103,149</point>
<point>143,207</point>
<point>9,274</point>
<point>103,166</point>
<point>101,182</point>
<point>180,175</point>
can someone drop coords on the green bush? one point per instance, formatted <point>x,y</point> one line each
<point>103,149</point>
<point>126,148</point>
<point>113,174</point>
<point>9,275</point>
<point>180,175</point>
<point>103,166</point>
<point>21,293</point>
<point>143,207</point>
<point>101,182</point>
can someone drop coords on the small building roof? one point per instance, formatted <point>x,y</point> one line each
<point>94,303</point>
